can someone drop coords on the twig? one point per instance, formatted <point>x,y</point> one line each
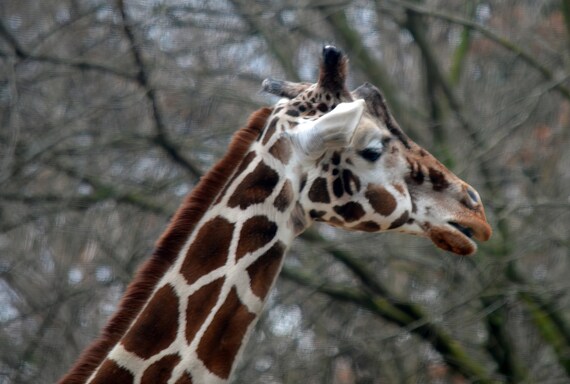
<point>503,42</point>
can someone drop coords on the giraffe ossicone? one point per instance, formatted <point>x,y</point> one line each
<point>322,153</point>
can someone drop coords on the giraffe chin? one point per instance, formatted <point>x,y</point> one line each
<point>451,239</point>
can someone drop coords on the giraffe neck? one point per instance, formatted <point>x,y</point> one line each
<point>202,307</point>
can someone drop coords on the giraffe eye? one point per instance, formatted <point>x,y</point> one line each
<point>370,154</point>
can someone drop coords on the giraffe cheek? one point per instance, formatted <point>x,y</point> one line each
<point>380,199</point>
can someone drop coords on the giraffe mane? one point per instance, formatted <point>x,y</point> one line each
<point>168,247</point>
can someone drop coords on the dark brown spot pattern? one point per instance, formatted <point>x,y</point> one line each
<point>400,220</point>
<point>209,250</point>
<point>292,112</point>
<point>200,304</point>
<point>350,211</point>
<point>318,192</point>
<point>243,165</point>
<point>156,326</point>
<point>381,200</point>
<point>184,379</point>
<point>270,131</point>
<point>338,187</point>
<point>303,182</point>
<point>367,226</point>
<point>111,372</point>
<point>438,180</point>
<point>161,370</point>
<point>349,181</point>
<point>335,158</point>
<point>317,215</point>
<point>223,337</point>
<point>264,270</point>
<point>285,197</point>
<point>255,187</point>
<point>417,174</point>
<point>281,150</point>
<point>335,221</point>
<point>255,233</point>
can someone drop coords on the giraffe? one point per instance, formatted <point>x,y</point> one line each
<point>322,153</point>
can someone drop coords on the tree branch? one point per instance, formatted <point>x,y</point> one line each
<point>503,42</point>
<point>407,316</point>
<point>21,54</point>
<point>161,138</point>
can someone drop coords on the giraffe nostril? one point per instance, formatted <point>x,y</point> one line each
<point>473,197</point>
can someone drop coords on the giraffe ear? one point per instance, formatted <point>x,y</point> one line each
<point>333,130</point>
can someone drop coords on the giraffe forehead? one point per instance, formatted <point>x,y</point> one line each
<point>369,132</point>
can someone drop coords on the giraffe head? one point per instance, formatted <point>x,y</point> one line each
<point>361,172</point>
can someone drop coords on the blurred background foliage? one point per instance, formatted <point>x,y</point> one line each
<point>111,110</point>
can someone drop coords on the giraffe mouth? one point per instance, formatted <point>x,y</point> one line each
<point>465,230</point>
<point>458,237</point>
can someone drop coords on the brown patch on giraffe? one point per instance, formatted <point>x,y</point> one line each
<point>255,233</point>
<point>416,174</point>
<point>317,215</point>
<point>380,199</point>
<point>403,219</point>
<point>167,248</point>
<point>323,107</point>
<point>244,163</point>
<point>350,211</point>
<point>298,219</point>
<point>111,372</point>
<point>223,337</point>
<point>155,328</point>
<point>184,379</point>
<point>161,370</point>
<point>285,197</point>
<point>263,271</point>
<point>255,187</point>
<point>318,192</point>
<point>335,158</point>
<point>292,112</point>
<point>399,188</point>
<point>281,150</point>
<point>303,182</point>
<point>335,221</point>
<point>209,250</point>
<point>338,187</point>
<point>349,180</point>
<point>270,131</point>
<point>200,304</point>
<point>367,226</point>
<point>438,180</point>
